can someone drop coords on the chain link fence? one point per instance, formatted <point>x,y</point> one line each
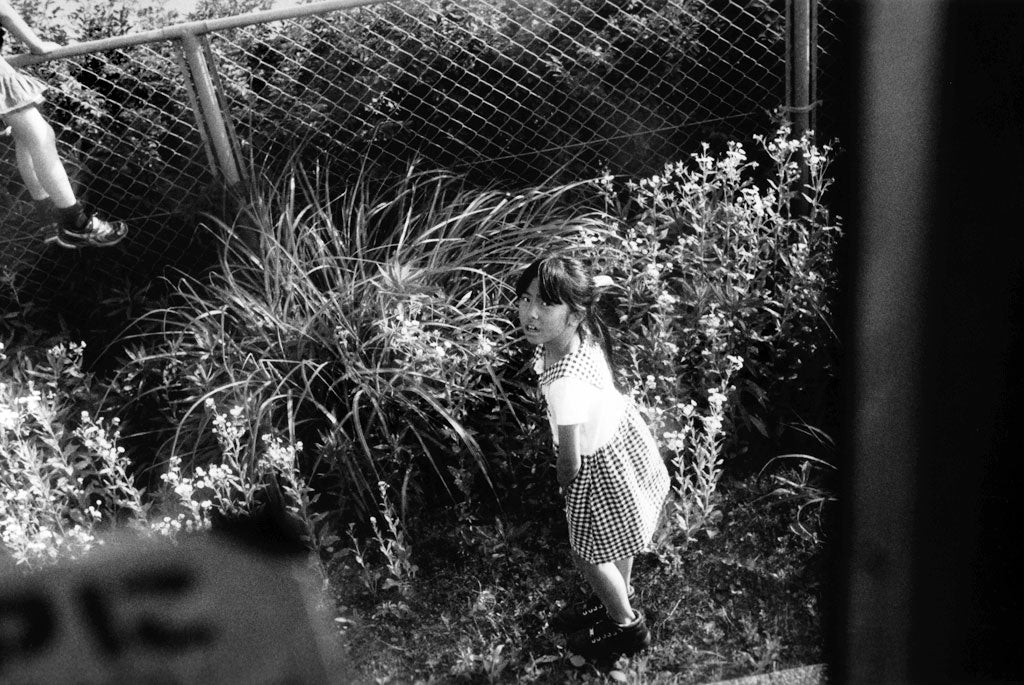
<point>159,128</point>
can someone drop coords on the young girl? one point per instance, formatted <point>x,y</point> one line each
<point>614,480</point>
<point>36,147</point>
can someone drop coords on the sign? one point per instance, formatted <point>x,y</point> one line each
<point>195,612</point>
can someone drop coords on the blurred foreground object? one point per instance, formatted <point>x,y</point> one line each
<point>200,611</point>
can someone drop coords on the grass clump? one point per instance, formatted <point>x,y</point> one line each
<point>371,325</point>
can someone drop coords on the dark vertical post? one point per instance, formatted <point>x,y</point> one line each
<point>897,123</point>
<point>799,77</point>
<point>932,589</point>
<point>799,65</point>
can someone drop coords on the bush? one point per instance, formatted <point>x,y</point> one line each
<point>359,341</point>
<point>728,269</point>
<point>371,325</point>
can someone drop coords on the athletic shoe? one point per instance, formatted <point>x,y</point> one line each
<point>606,638</point>
<point>96,233</point>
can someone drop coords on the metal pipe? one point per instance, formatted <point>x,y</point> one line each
<point>193,28</point>
<point>800,55</point>
<point>186,78</point>
<point>211,114</point>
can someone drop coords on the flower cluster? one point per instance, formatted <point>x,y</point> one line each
<point>65,474</point>
<point>726,264</point>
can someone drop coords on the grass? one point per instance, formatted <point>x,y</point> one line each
<point>743,602</point>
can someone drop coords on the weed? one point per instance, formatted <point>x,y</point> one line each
<point>67,476</point>
<point>806,486</point>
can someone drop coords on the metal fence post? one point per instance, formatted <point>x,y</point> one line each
<point>209,109</point>
<point>799,77</point>
<point>798,64</point>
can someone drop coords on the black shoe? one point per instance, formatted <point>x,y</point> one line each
<point>96,233</point>
<point>582,614</point>
<point>606,637</point>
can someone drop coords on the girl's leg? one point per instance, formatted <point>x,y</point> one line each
<point>45,210</point>
<point>36,141</point>
<point>610,586</point>
<point>44,174</point>
<point>28,174</point>
<point>625,567</point>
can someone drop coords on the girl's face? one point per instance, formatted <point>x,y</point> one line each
<point>547,323</point>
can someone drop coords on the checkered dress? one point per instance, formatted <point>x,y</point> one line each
<point>613,504</point>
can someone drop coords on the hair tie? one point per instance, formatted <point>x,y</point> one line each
<point>603,281</point>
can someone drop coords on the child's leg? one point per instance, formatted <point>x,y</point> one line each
<point>45,210</point>
<point>625,567</point>
<point>44,174</point>
<point>28,173</point>
<point>42,171</point>
<point>610,586</point>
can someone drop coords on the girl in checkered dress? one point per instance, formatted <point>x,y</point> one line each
<point>614,480</point>
<point>35,146</point>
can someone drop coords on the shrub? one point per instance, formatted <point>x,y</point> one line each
<point>70,482</point>
<point>721,276</point>
<point>362,341</point>
<point>371,324</point>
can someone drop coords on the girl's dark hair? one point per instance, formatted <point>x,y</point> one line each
<point>565,279</point>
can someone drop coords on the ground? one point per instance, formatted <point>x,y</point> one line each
<point>747,600</point>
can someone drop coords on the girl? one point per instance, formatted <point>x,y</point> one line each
<point>36,147</point>
<point>614,480</point>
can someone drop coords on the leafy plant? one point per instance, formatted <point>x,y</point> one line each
<point>806,485</point>
<point>66,477</point>
<point>372,321</point>
<point>389,564</point>
<point>716,266</point>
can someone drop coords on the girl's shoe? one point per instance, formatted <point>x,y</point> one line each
<point>606,638</point>
<point>96,233</point>
<point>582,614</point>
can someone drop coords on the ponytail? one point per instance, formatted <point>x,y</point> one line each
<point>597,326</point>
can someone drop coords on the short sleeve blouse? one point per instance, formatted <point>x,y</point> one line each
<point>578,389</point>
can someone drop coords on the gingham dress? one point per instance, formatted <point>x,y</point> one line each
<point>613,504</point>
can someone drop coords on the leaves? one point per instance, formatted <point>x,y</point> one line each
<point>388,341</point>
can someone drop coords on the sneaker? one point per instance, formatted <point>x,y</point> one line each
<point>96,233</point>
<point>606,637</point>
<point>582,614</point>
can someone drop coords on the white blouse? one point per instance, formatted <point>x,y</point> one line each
<point>598,410</point>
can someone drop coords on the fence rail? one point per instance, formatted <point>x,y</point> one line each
<point>153,126</point>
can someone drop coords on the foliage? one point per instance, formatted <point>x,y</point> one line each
<point>72,483</point>
<point>372,321</point>
<point>809,486</point>
<point>392,567</point>
<point>65,476</point>
<point>722,277</point>
<point>519,91</point>
<point>372,324</point>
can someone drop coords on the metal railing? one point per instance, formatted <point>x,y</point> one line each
<point>155,126</point>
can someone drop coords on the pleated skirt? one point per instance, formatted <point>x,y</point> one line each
<point>18,90</point>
